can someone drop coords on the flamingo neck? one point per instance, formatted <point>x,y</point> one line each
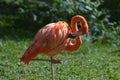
<point>84,27</point>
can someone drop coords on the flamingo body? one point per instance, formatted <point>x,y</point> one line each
<point>52,39</point>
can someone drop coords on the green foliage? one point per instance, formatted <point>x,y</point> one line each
<point>91,61</point>
<point>34,14</point>
<point>113,35</point>
<point>111,8</point>
<point>22,13</point>
<point>31,13</point>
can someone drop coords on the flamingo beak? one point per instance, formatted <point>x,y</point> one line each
<point>74,35</point>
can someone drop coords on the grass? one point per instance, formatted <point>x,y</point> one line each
<point>90,62</point>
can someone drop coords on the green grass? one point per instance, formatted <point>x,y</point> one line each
<point>90,62</point>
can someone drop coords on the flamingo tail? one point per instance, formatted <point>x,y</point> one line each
<point>29,54</point>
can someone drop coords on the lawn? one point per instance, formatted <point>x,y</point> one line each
<point>93,61</point>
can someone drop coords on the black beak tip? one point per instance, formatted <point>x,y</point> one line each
<point>71,36</point>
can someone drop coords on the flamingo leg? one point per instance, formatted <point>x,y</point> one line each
<point>52,64</point>
<point>52,68</point>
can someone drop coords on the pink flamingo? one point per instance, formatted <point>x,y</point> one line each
<point>55,37</point>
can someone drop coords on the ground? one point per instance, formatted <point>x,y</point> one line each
<point>93,61</point>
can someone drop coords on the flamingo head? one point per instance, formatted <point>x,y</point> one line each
<point>82,31</point>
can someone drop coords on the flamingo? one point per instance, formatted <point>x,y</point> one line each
<point>55,37</point>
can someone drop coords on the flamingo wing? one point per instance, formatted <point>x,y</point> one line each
<point>50,40</point>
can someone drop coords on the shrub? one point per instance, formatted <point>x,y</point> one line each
<point>34,14</point>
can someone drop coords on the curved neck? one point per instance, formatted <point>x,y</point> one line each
<point>84,27</point>
<point>76,32</point>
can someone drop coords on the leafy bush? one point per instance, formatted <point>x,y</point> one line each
<point>29,13</point>
<point>34,14</point>
<point>113,11</point>
<point>113,36</point>
<point>22,13</point>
